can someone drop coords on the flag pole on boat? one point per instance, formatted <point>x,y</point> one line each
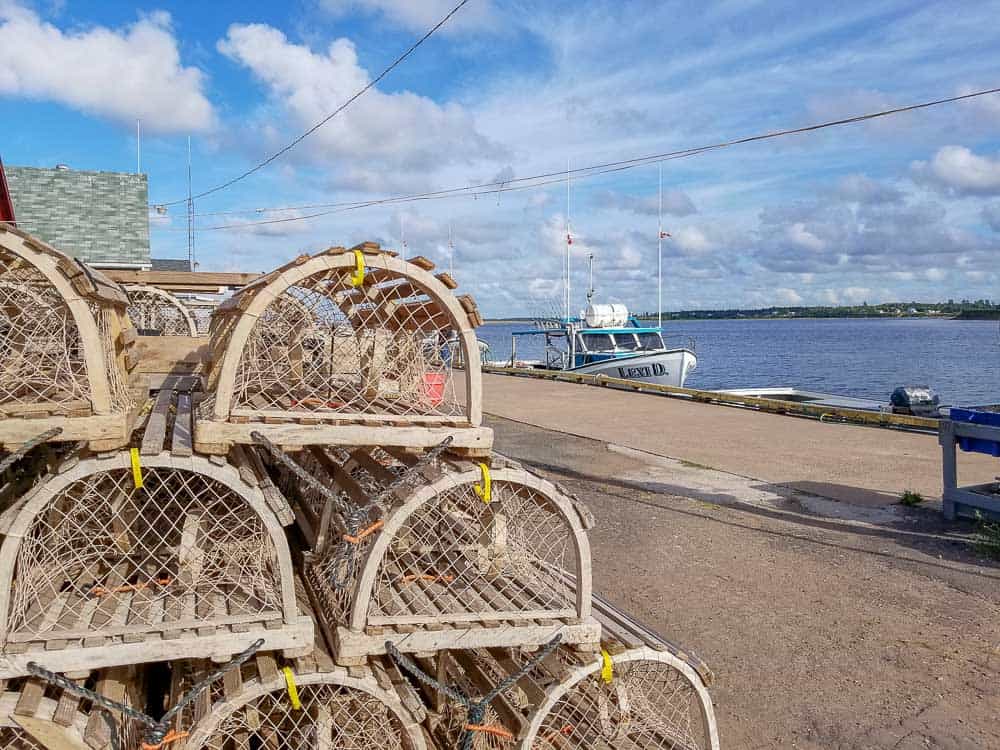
<point>659,255</point>
<point>660,236</point>
<point>569,241</point>
<point>451,253</point>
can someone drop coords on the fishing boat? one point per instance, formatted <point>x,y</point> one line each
<point>607,340</point>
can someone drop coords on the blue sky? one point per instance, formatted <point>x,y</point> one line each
<point>901,208</point>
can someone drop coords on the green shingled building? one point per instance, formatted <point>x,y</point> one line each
<point>99,217</point>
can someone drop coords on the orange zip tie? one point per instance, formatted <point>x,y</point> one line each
<point>365,532</point>
<point>172,736</point>
<point>101,591</point>
<point>486,729</point>
<point>427,577</point>
<point>566,731</point>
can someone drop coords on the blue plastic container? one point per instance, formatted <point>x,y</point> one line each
<point>978,445</point>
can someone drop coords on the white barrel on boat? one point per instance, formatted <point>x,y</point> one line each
<point>606,316</point>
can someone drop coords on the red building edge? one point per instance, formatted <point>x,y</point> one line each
<point>6,205</point>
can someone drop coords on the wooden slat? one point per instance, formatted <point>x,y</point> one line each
<point>181,442</point>
<point>156,426</point>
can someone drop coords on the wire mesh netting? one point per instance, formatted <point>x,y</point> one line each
<point>109,325</point>
<point>155,313</point>
<point>648,704</point>
<point>41,353</point>
<point>13,738</point>
<point>103,556</point>
<point>326,347</point>
<point>456,554</point>
<point>453,554</point>
<point>331,717</point>
<point>86,723</point>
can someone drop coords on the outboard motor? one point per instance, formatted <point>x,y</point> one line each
<point>918,400</point>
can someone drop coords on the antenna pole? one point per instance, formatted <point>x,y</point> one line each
<point>190,207</point>
<point>590,291</point>
<point>451,253</point>
<point>138,146</point>
<point>569,241</point>
<point>402,236</point>
<point>659,256</point>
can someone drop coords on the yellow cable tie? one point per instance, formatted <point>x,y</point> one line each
<point>293,691</point>
<point>607,667</point>
<point>359,272</point>
<point>485,490</point>
<point>136,468</point>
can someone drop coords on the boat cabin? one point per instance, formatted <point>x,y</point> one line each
<point>598,344</point>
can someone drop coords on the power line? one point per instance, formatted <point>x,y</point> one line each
<point>330,116</point>
<point>593,170</point>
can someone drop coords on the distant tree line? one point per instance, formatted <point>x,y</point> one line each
<point>965,309</point>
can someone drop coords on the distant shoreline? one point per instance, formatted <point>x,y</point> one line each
<point>979,315</point>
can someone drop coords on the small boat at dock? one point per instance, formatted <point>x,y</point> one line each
<point>607,340</point>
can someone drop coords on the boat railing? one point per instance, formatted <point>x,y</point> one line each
<point>679,341</point>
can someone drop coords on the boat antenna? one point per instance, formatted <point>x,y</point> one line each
<point>659,255</point>
<point>590,291</point>
<point>569,240</point>
<point>451,253</point>
<point>402,235</point>
<point>660,236</point>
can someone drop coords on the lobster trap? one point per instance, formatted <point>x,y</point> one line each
<point>66,347</point>
<point>121,559</point>
<point>640,693</point>
<point>37,716</point>
<point>157,312</point>
<point>301,704</point>
<point>470,556</point>
<point>347,347</point>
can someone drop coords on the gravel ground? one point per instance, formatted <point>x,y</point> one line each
<point>822,634</point>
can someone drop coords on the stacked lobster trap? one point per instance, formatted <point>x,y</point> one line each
<point>303,540</point>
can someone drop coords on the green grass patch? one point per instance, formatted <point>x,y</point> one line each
<point>987,539</point>
<point>911,499</point>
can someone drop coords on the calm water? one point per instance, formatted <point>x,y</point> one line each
<point>862,358</point>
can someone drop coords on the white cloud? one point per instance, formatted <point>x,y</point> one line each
<point>379,132</point>
<point>799,236</point>
<point>853,295</point>
<point>692,240</point>
<point>959,169</point>
<point>935,274</point>
<point>675,203</point>
<point>122,74</point>
<point>785,296</point>
<point>419,15</point>
<point>991,215</point>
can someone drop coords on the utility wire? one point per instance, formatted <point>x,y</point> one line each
<point>330,116</point>
<point>593,170</point>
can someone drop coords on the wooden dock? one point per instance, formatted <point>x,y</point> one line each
<point>860,464</point>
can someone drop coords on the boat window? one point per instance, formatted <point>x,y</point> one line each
<point>597,342</point>
<point>650,340</point>
<point>626,341</point>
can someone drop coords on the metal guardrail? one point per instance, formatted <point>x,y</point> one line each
<point>775,406</point>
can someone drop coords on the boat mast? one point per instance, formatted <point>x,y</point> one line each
<point>590,291</point>
<point>659,256</point>
<point>451,253</point>
<point>569,241</point>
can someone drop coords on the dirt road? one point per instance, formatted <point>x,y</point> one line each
<point>822,634</point>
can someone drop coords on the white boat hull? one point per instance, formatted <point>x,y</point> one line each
<point>669,367</point>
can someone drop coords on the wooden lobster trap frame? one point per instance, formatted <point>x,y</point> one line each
<point>66,347</point>
<point>641,692</point>
<point>444,566</point>
<point>36,716</point>
<point>347,347</point>
<point>157,312</point>
<point>364,708</point>
<point>96,571</point>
